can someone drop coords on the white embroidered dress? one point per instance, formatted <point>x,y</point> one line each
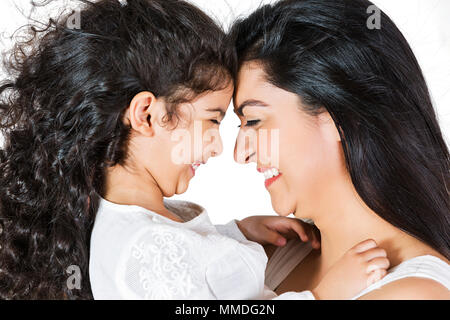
<point>138,254</point>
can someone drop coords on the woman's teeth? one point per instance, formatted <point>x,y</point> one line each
<point>271,173</point>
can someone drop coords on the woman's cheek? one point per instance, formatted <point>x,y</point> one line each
<point>268,145</point>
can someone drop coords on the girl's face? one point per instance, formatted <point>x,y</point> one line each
<point>170,156</point>
<point>299,154</point>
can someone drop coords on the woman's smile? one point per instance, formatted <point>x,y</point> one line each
<point>270,175</point>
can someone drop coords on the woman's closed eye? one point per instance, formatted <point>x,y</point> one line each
<point>215,121</point>
<point>251,123</point>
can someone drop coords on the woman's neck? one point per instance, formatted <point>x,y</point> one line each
<point>349,221</point>
<point>130,187</point>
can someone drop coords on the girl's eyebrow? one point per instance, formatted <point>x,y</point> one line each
<point>222,113</point>
<point>249,103</point>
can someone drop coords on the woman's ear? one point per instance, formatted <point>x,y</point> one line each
<point>328,127</point>
<point>141,113</point>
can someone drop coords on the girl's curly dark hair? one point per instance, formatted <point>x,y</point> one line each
<point>61,119</point>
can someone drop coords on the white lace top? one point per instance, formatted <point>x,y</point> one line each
<point>138,254</point>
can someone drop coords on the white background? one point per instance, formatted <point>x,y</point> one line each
<point>228,190</point>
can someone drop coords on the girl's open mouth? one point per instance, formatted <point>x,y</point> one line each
<point>195,166</point>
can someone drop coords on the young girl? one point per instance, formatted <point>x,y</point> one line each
<point>92,124</point>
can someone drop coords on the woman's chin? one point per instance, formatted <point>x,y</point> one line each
<point>282,207</point>
<point>279,196</point>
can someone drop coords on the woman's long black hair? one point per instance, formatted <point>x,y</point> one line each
<point>372,86</point>
<point>61,116</point>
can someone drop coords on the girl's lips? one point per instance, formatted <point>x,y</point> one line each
<point>195,166</point>
<point>268,182</point>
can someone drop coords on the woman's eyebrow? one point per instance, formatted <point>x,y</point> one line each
<point>249,103</point>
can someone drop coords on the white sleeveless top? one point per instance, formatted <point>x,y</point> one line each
<point>285,259</point>
<point>138,254</point>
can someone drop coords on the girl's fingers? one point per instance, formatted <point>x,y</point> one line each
<point>315,238</point>
<point>373,253</point>
<point>316,243</point>
<point>300,230</point>
<point>375,276</point>
<point>273,237</point>
<point>377,263</point>
<point>306,233</point>
<point>364,245</point>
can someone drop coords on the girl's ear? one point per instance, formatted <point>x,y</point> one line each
<point>142,112</point>
<point>328,127</point>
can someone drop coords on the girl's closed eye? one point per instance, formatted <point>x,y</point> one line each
<point>251,123</point>
<point>215,121</point>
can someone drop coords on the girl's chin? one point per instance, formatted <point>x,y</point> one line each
<point>181,190</point>
<point>183,184</point>
<point>182,187</point>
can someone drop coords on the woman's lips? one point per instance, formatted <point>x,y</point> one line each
<point>268,182</point>
<point>270,174</point>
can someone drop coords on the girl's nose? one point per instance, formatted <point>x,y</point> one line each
<point>216,148</point>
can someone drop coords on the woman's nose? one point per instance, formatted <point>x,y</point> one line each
<point>246,158</point>
<point>245,150</point>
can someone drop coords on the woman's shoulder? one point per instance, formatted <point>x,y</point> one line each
<point>422,277</point>
<point>410,288</point>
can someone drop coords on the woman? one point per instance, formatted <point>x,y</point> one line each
<point>360,150</point>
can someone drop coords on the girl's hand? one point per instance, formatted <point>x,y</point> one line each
<point>277,230</point>
<point>361,266</point>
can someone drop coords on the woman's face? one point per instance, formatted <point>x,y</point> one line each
<point>172,155</point>
<point>299,154</point>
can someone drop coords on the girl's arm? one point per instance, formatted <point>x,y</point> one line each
<point>271,230</point>
<point>358,268</point>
